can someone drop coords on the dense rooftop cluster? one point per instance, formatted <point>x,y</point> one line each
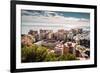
<point>60,42</point>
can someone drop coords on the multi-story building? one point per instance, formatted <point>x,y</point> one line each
<point>42,34</point>
<point>49,35</point>
<point>27,40</point>
<point>83,39</point>
<point>59,49</point>
<point>69,47</point>
<point>34,34</point>
<point>70,36</point>
<point>60,35</point>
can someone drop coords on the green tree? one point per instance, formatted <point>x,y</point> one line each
<point>28,53</point>
<point>40,53</point>
<point>51,57</point>
<point>67,57</point>
<point>71,57</point>
<point>33,54</point>
<point>37,53</point>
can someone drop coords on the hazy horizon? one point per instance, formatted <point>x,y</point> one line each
<point>53,20</point>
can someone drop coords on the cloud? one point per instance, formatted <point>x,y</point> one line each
<point>29,13</point>
<point>49,17</point>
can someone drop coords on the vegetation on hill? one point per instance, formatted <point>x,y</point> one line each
<point>37,53</point>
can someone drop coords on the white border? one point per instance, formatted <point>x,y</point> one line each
<point>20,65</point>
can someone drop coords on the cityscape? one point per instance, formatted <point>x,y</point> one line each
<point>64,41</point>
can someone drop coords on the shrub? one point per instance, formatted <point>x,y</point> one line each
<point>40,53</point>
<point>33,54</point>
<point>37,53</point>
<point>51,57</point>
<point>67,57</point>
<point>28,53</point>
<point>71,57</point>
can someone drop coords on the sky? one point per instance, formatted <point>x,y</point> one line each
<point>36,19</point>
